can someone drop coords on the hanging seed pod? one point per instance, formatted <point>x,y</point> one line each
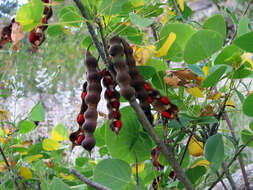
<point>161,103</point>
<point>122,77</point>
<point>6,35</point>
<point>137,81</point>
<point>112,97</point>
<point>77,137</point>
<point>155,154</point>
<point>92,98</point>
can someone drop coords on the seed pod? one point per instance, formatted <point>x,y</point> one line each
<point>92,98</point>
<point>112,97</point>
<point>5,35</point>
<point>122,77</point>
<point>137,81</point>
<point>155,154</point>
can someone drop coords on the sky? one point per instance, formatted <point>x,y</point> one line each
<point>22,1</point>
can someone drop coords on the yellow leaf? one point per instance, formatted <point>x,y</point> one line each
<point>181,4</point>
<point>1,132</point>
<point>92,162</point>
<point>216,96</point>
<point>137,3</point>
<point>164,19</point>
<point>166,46</point>
<point>205,69</point>
<point>204,163</point>
<point>4,115</point>
<point>195,92</point>
<point>59,133</point>
<point>50,145</point>
<point>34,157</point>
<point>170,12</point>
<point>246,57</point>
<point>67,177</point>
<point>3,167</point>
<point>143,54</point>
<point>195,147</point>
<point>230,103</point>
<point>25,172</point>
<point>140,168</point>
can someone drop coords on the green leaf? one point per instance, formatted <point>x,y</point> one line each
<point>207,120</point>
<point>38,113</point>
<point>70,16</point>
<point>1,132</point>
<point>245,42</point>
<point>183,33</point>
<point>111,7</point>
<point>247,106</point>
<point>214,151</point>
<point>202,45</point>
<point>81,161</point>
<point>59,133</point>
<point>240,96</point>
<point>242,72</point>
<point>130,140</point>
<point>25,126</point>
<point>226,54</point>
<point>30,15</point>
<point>112,173</point>
<point>50,145</point>
<point>216,23</point>
<point>157,80</point>
<point>243,27</point>
<point>213,78</point>
<point>146,71</point>
<point>58,184</point>
<point>140,21</point>
<point>196,69</point>
<point>246,135</point>
<point>54,30</point>
<point>100,136</point>
<point>157,64</point>
<point>251,125</point>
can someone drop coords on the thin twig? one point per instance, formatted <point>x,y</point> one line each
<point>137,173</point>
<point>185,149</point>
<point>244,174</point>
<point>9,168</point>
<point>177,10</point>
<point>222,182</point>
<point>87,181</point>
<point>229,177</point>
<point>244,13</point>
<point>231,162</point>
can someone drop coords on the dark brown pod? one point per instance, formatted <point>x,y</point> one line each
<point>92,99</point>
<point>91,114</point>
<point>89,142</point>
<point>89,126</point>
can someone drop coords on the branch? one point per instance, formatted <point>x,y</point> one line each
<point>87,181</point>
<point>7,164</point>
<point>177,10</point>
<point>229,177</point>
<point>166,150</point>
<point>231,162</point>
<point>244,13</point>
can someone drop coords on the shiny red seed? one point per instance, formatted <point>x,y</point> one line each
<point>118,124</point>
<point>109,92</point>
<point>115,114</point>
<point>100,73</point>
<point>84,95</point>
<point>80,139</point>
<point>32,37</point>
<point>43,20</point>
<point>147,86</point>
<point>80,119</point>
<point>150,99</point>
<point>107,80</point>
<point>166,114</point>
<point>115,104</point>
<point>164,100</point>
<point>156,160</point>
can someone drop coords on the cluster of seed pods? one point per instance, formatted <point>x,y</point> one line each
<point>6,34</point>
<point>37,35</point>
<point>77,137</point>
<point>137,81</point>
<point>112,97</point>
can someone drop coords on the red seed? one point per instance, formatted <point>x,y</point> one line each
<point>166,114</point>
<point>115,104</point>
<point>164,100</point>
<point>84,95</point>
<point>80,139</point>
<point>43,20</point>
<point>107,80</point>
<point>150,99</point>
<point>109,92</point>
<point>32,37</point>
<point>156,160</point>
<point>147,86</point>
<point>115,115</point>
<point>80,119</point>
<point>118,124</point>
<point>45,1</point>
